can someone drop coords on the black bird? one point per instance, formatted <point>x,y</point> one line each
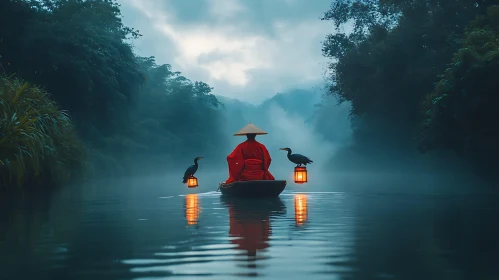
<point>297,158</point>
<point>191,170</point>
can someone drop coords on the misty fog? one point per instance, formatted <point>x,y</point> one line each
<point>321,128</point>
<point>104,104</point>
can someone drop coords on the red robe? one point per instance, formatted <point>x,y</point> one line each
<point>249,161</point>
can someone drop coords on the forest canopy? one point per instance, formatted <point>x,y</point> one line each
<point>388,57</point>
<point>416,73</point>
<point>461,112</point>
<point>125,107</point>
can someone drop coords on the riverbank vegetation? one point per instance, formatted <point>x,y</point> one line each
<point>416,73</point>
<point>461,113</point>
<point>387,59</point>
<point>129,111</point>
<point>39,144</point>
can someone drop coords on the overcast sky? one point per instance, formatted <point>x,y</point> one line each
<point>245,49</point>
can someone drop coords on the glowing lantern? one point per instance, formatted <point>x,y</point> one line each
<point>192,209</point>
<point>192,182</point>
<point>301,211</point>
<point>300,174</point>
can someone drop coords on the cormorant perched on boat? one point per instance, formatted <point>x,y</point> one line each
<point>297,158</point>
<point>191,170</point>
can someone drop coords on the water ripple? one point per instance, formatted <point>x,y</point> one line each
<point>254,240</point>
<point>301,235</point>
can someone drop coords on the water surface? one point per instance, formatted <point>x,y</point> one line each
<point>143,228</point>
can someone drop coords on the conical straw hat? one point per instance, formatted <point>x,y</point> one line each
<point>250,129</point>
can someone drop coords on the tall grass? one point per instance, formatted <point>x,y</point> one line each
<point>38,142</point>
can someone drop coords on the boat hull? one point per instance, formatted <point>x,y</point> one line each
<point>259,188</point>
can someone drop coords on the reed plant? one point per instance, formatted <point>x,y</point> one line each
<point>39,145</point>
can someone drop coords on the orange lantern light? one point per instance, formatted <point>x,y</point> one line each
<point>301,174</point>
<point>192,182</point>
<point>301,210</point>
<point>192,209</point>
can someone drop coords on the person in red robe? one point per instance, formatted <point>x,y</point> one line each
<point>250,160</point>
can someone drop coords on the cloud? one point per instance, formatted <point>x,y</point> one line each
<point>244,49</point>
<point>240,54</point>
<point>226,9</point>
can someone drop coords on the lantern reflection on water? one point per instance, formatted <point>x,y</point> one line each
<point>192,182</point>
<point>300,174</point>
<point>301,211</point>
<point>192,209</point>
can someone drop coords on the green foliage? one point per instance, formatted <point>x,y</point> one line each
<point>77,45</point>
<point>392,57</point>
<point>461,112</point>
<point>126,108</point>
<point>174,120</point>
<point>38,142</point>
<point>182,113</point>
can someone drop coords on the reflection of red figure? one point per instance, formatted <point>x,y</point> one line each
<point>253,232</point>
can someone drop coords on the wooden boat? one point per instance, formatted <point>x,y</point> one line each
<point>260,188</point>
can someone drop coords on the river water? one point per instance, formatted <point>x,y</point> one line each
<point>152,228</point>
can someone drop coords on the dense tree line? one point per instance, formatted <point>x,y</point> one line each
<point>124,107</point>
<point>76,50</point>
<point>418,72</point>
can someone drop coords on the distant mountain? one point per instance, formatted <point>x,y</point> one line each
<point>297,102</point>
<point>292,119</point>
<point>300,103</point>
<point>281,114</point>
<point>234,103</point>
